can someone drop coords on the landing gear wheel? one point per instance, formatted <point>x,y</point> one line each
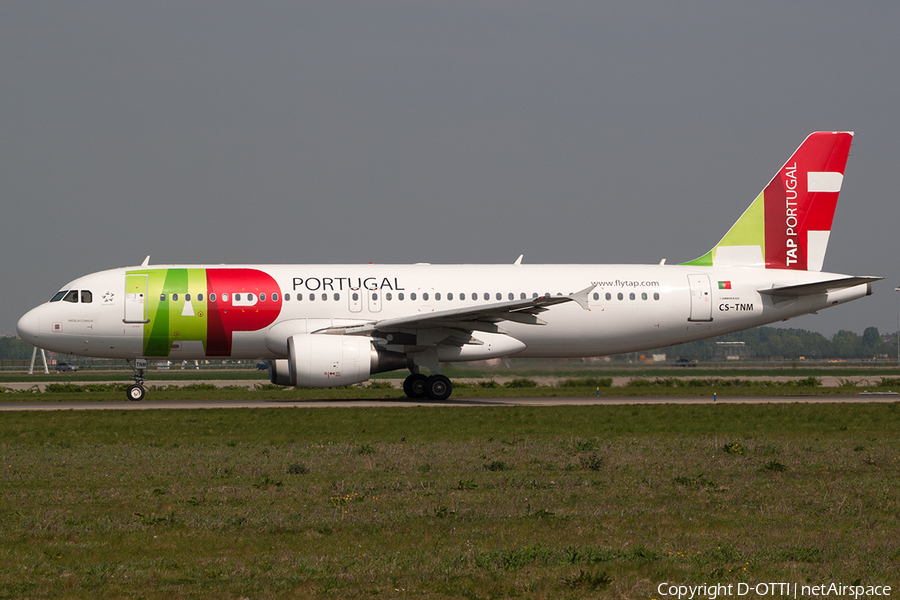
<point>136,392</point>
<point>438,387</point>
<point>414,386</point>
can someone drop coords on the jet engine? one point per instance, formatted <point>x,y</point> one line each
<point>318,360</point>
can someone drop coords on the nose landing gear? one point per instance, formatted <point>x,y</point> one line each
<point>137,392</point>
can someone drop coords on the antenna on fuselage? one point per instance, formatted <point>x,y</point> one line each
<point>146,261</point>
<point>519,260</point>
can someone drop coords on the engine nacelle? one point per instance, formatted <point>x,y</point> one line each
<point>328,360</point>
<point>319,360</point>
<point>279,371</point>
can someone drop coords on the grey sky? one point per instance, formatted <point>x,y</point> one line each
<point>432,132</point>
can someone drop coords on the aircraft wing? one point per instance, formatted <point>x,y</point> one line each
<point>818,287</point>
<point>476,318</point>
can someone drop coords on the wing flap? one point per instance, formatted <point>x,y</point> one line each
<point>476,318</point>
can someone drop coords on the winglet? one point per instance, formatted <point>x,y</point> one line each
<point>582,297</point>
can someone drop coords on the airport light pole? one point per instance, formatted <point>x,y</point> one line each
<point>897,289</point>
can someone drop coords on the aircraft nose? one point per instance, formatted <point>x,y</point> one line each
<point>29,327</point>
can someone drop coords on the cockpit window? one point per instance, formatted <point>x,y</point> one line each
<point>58,296</point>
<point>86,297</point>
<point>72,296</point>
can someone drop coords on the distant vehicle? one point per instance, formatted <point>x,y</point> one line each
<point>66,367</point>
<point>262,366</point>
<point>685,362</point>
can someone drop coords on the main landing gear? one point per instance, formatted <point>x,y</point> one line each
<point>436,387</point>
<point>137,392</point>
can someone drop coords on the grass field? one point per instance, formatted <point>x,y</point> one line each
<point>601,501</point>
<point>484,388</point>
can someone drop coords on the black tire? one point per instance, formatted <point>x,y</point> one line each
<point>414,386</point>
<point>438,387</point>
<point>136,393</point>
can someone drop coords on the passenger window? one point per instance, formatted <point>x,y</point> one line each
<point>224,296</point>
<point>388,296</point>
<point>162,297</point>
<point>312,297</point>
<point>620,296</point>
<point>174,297</point>
<point>608,296</point>
<point>324,297</point>
<point>522,296</point>
<point>487,296</point>
<point>437,295</point>
<point>374,296</point>
<point>337,296</point>
<point>212,297</point>
<point>58,296</point>
<point>596,296</point>
<point>499,296</point>
<point>237,297</point>
<point>631,296</point>
<point>644,296</point>
<point>400,296</point>
<point>534,295</point>
<point>449,295</point>
<point>299,297</point>
<point>287,296</point>
<point>274,296</point>
<point>412,296</point>
<point>655,295</point>
<point>187,297</point>
<point>462,295</point>
<point>262,297</point>
<point>425,296</point>
<point>356,296</point>
<point>249,297</point>
<point>199,297</point>
<point>86,297</point>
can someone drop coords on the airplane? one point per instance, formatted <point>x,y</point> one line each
<point>321,325</point>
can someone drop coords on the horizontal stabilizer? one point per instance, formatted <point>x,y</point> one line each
<point>817,287</point>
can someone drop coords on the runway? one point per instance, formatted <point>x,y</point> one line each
<point>453,402</point>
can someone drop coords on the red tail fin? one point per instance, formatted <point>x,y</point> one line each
<point>788,225</point>
<point>800,202</point>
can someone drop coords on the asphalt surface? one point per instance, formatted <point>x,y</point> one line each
<point>460,402</point>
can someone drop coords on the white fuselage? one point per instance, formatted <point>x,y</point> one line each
<point>631,307</point>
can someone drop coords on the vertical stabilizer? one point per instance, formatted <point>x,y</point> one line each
<point>788,225</point>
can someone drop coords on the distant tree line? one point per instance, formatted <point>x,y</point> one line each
<point>12,348</point>
<point>760,343</point>
<point>790,344</point>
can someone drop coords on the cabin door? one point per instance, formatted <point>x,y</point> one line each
<point>701,298</point>
<point>136,299</point>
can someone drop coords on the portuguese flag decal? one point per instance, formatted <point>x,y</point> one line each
<point>724,285</point>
